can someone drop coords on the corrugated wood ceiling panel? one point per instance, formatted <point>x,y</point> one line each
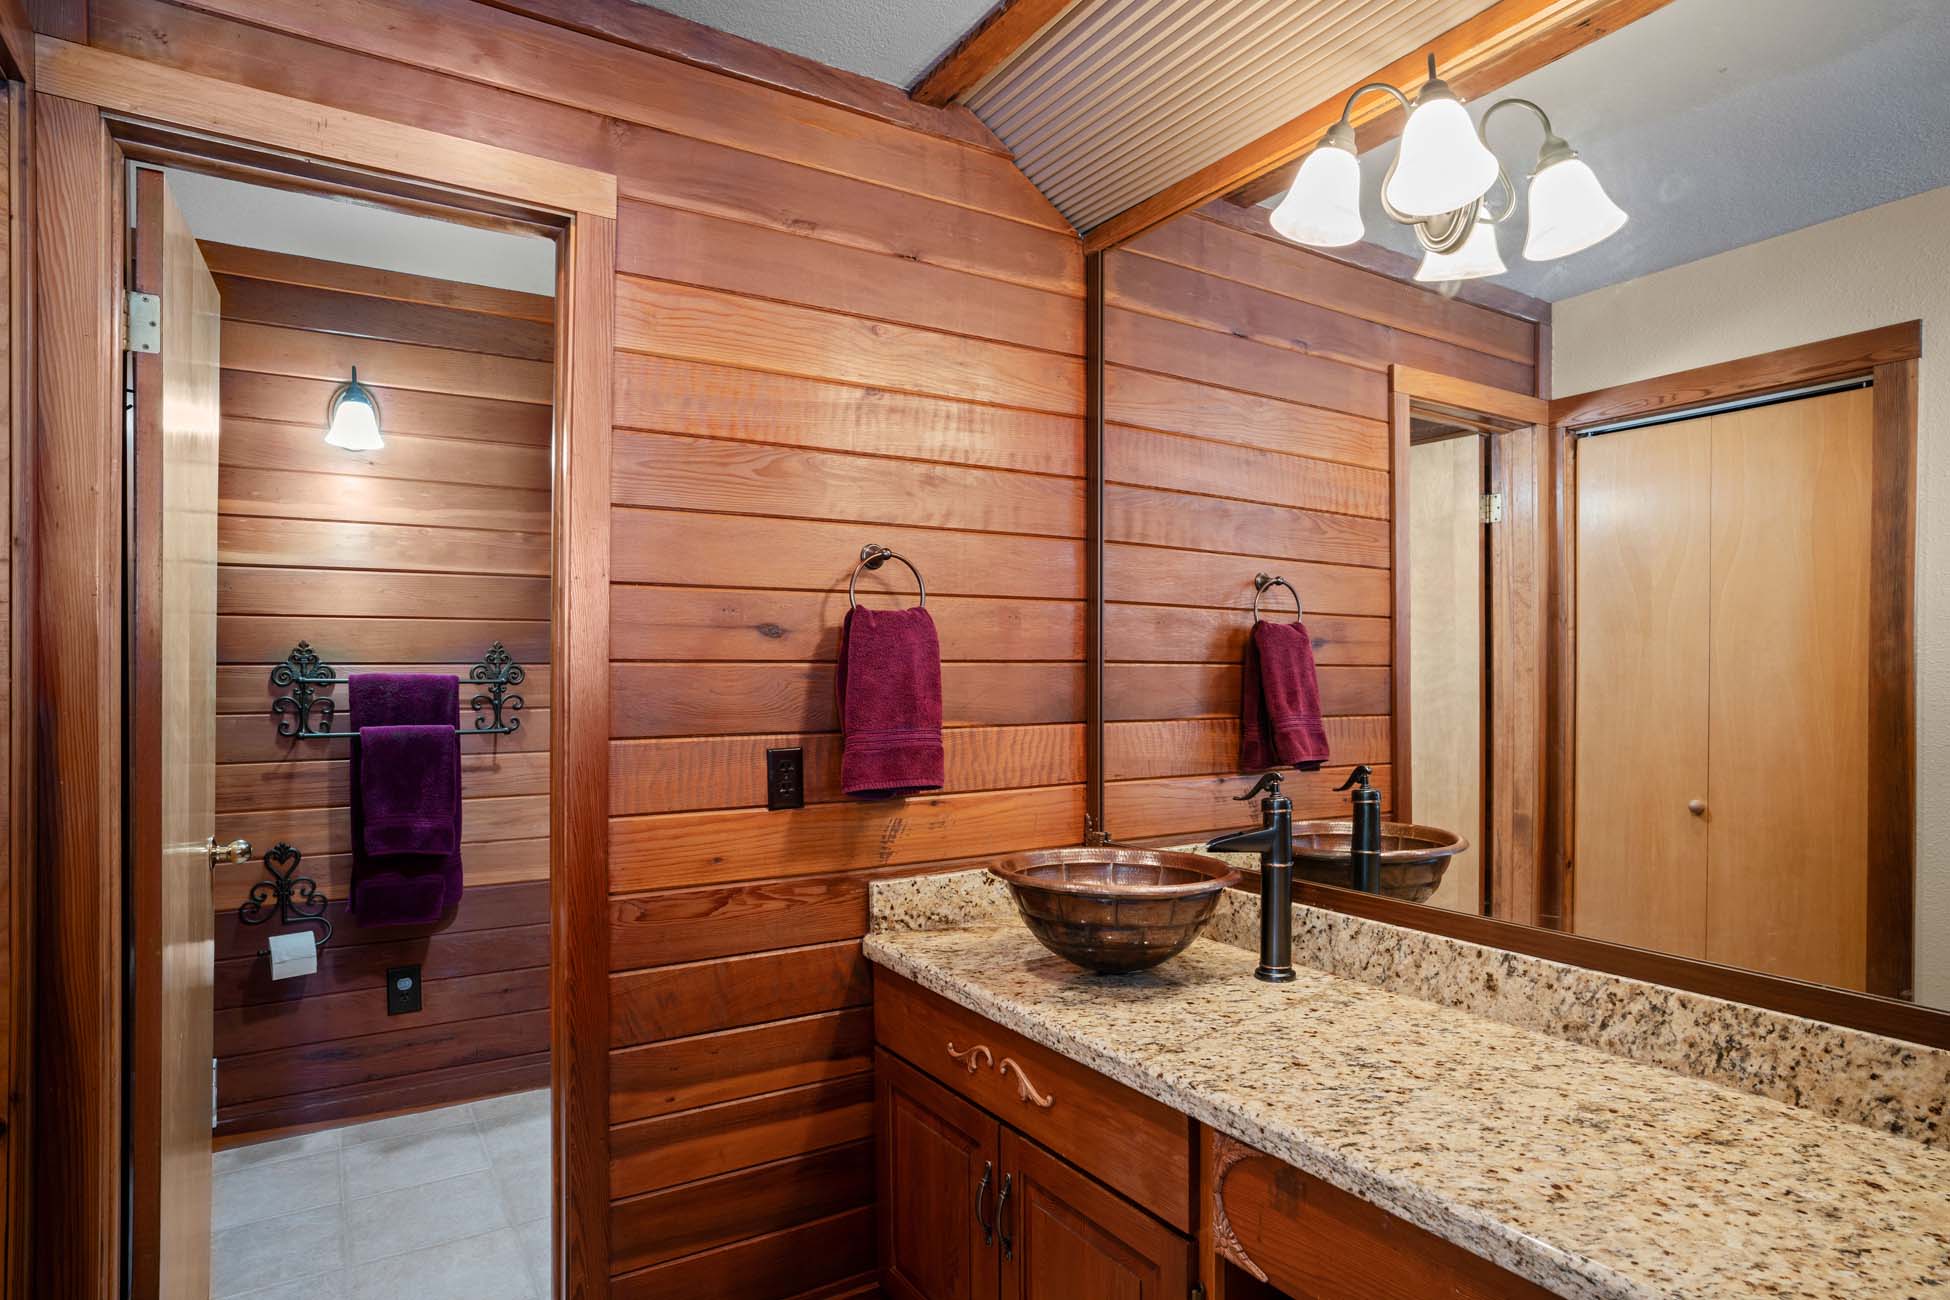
<point>1118,98</point>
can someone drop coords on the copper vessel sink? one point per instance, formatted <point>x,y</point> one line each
<point>1413,858</point>
<point>1112,909</point>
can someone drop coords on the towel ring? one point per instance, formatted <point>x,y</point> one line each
<point>872,557</point>
<point>1262,581</point>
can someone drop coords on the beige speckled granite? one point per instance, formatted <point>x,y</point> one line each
<point>1592,1174</point>
<point>1882,1083</point>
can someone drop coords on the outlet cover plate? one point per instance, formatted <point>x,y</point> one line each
<point>785,778</point>
<point>402,989</point>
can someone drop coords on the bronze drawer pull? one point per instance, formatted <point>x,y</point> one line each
<point>1002,1208</point>
<point>1025,1090</point>
<point>982,1194</point>
<point>971,1058</point>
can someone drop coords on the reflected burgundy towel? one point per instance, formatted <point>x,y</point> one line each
<point>889,687</point>
<point>417,887</point>
<point>1279,701</point>
<point>409,789</point>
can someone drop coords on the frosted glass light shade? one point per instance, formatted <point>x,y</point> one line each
<point>1477,258</point>
<point>1443,163</point>
<point>354,419</point>
<point>1569,211</point>
<point>1323,207</point>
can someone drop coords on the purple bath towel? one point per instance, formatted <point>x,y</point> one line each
<point>405,797</point>
<point>889,687</point>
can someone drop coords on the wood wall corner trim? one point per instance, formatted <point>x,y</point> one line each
<point>579,772</point>
<point>1892,689</point>
<point>149,91</point>
<point>1004,30</point>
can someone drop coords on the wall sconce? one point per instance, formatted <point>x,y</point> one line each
<point>1439,184</point>
<point>352,417</point>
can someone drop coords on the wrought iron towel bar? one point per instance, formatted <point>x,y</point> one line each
<point>302,673</point>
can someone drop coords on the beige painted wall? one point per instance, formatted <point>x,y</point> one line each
<point>1876,267</point>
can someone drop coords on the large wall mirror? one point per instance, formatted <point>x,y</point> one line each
<point>1624,564</point>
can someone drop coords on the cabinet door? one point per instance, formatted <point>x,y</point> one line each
<point>939,1179</point>
<point>1067,1237</point>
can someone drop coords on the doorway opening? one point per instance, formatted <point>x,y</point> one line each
<point>340,484</point>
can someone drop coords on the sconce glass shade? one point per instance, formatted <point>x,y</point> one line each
<point>1443,163</point>
<point>1569,211</point>
<point>1323,208</point>
<point>1478,257</point>
<point>352,418</point>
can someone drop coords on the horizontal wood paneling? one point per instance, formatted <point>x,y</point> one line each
<point>809,361</point>
<point>417,557</point>
<point>1247,402</point>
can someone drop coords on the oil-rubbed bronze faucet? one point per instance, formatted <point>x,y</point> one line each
<point>1273,841</point>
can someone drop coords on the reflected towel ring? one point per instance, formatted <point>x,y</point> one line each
<point>1262,581</point>
<point>872,557</point>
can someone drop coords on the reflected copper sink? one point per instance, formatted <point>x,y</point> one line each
<point>1112,909</point>
<point>1413,858</point>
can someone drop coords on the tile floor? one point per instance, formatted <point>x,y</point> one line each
<point>447,1204</point>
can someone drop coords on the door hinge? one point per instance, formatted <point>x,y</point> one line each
<point>213,1093</point>
<point>142,326</point>
<point>1490,508</point>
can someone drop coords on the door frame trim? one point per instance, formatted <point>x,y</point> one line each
<point>1888,356</point>
<point>81,452</point>
<point>1517,571</point>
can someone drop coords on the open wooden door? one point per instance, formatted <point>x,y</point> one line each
<point>172,742</point>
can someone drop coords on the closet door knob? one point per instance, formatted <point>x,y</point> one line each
<point>1697,807</point>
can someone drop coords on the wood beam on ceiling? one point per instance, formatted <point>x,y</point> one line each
<point>989,44</point>
<point>1495,47</point>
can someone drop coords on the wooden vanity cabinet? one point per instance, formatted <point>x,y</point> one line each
<point>1009,1172</point>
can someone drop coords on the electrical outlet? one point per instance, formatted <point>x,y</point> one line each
<point>402,989</point>
<point>785,778</point>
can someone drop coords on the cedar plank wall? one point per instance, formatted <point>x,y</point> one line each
<point>1246,431</point>
<point>419,555</point>
<point>832,330</point>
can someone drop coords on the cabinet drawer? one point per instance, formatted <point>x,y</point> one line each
<point>1136,1146</point>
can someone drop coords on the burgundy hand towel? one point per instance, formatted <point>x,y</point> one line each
<point>1279,701</point>
<point>889,687</point>
<point>409,789</point>
<point>404,888</point>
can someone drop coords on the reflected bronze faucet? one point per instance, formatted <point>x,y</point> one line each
<point>1273,841</point>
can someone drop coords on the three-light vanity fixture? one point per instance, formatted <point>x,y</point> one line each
<point>1440,184</point>
<point>352,417</point>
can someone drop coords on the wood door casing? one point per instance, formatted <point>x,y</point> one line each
<point>173,749</point>
<point>1446,592</point>
<point>1065,1236</point>
<point>1787,881</point>
<point>940,1175</point>
<point>1643,519</point>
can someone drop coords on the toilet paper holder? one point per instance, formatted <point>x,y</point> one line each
<point>286,897</point>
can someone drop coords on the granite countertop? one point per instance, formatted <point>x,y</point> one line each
<point>1592,1175</point>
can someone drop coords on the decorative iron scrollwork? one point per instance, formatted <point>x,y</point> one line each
<point>497,671</point>
<point>304,712</point>
<point>286,897</point>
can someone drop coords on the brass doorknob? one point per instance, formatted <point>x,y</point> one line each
<point>235,851</point>
<point>1697,807</point>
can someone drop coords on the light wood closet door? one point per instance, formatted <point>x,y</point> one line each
<point>1787,875</point>
<point>1723,687</point>
<point>1644,553</point>
<point>1445,629</point>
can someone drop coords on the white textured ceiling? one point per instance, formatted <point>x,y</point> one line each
<point>361,234</point>
<point>1717,124</point>
<point>1117,99</point>
<point>888,40</point>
